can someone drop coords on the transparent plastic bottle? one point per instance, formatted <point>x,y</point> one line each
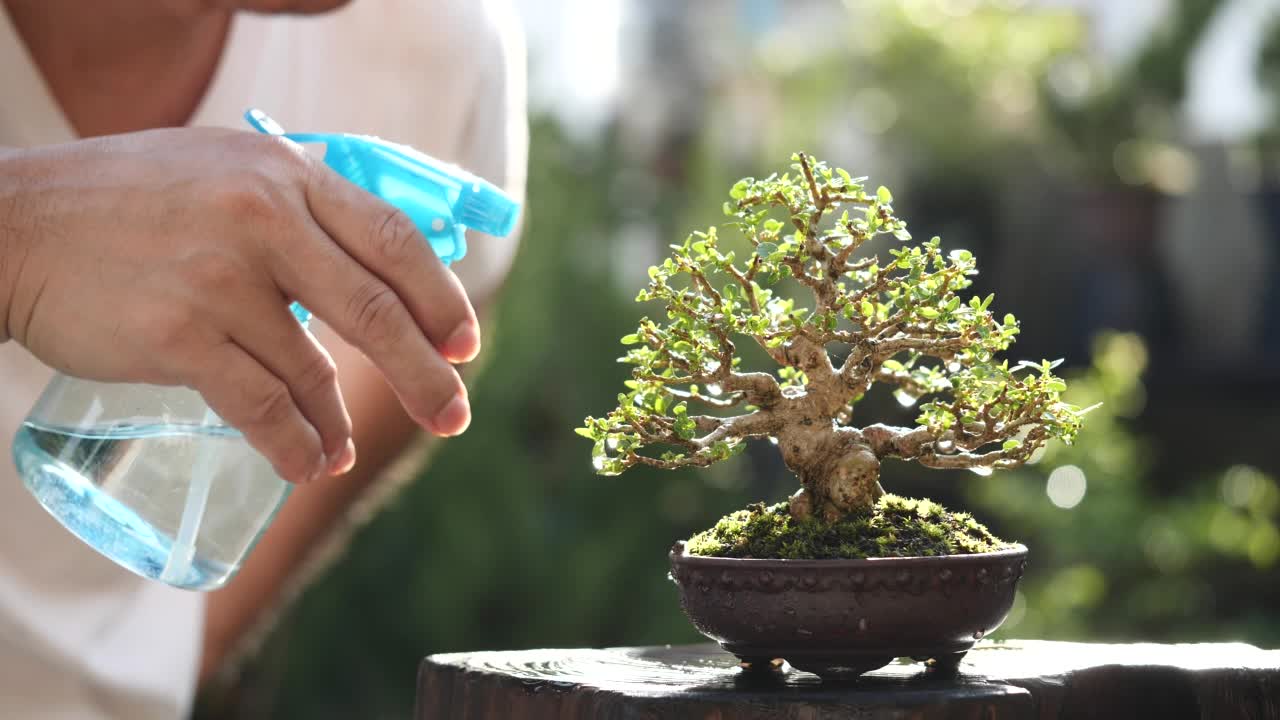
<point>119,464</point>
<point>150,476</point>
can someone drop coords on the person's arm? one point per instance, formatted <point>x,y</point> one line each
<point>299,542</point>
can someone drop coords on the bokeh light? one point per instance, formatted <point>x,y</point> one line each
<point>1066,486</point>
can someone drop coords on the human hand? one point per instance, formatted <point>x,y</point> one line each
<point>170,257</point>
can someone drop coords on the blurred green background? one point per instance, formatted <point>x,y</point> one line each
<point>1119,191</point>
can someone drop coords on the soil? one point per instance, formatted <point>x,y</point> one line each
<point>893,527</point>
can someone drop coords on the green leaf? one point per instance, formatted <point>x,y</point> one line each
<point>929,312</point>
<point>631,339</point>
<point>586,432</point>
<point>765,249</point>
<point>1009,319</point>
<point>1055,385</point>
<point>1012,444</point>
<point>867,309</point>
<point>883,195</point>
<point>902,234</point>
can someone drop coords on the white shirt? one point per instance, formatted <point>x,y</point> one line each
<point>79,636</point>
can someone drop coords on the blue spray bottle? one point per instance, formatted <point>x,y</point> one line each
<point>150,476</point>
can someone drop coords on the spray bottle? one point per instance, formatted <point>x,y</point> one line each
<point>150,476</point>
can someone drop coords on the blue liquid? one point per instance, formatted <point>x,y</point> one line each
<point>66,471</point>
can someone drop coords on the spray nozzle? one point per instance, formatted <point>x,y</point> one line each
<point>443,200</point>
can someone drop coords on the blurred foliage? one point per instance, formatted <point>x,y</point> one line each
<point>898,67</point>
<point>508,540</point>
<point>907,64</point>
<point>1121,124</point>
<point>1120,555</point>
<point>1267,144</point>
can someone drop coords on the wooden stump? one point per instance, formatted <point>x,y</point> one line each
<point>1013,680</point>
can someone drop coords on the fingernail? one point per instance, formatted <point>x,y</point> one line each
<point>454,418</point>
<point>463,344</point>
<point>344,460</point>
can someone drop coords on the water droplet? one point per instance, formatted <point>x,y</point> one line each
<point>953,366</point>
<point>863,624</point>
<point>977,635</point>
<point>904,398</point>
<point>597,463</point>
<point>981,470</point>
<point>714,389</point>
<point>945,446</point>
<point>789,610</point>
<point>612,443</point>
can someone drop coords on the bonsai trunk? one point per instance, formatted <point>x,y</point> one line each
<point>837,469</point>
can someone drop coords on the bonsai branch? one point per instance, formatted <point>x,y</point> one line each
<point>903,380</point>
<point>932,346</point>
<point>754,424</point>
<point>715,402</point>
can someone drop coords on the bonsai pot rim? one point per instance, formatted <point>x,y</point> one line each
<point>681,551</point>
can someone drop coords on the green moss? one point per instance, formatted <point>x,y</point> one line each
<point>895,527</point>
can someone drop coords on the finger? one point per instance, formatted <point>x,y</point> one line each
<point>370,315</point>
<point>253,400</point>
<point>386,241</point>
<point>280,344</point>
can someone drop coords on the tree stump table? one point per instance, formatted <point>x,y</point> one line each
<point>1012,680</point>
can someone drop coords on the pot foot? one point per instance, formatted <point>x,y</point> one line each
<point>759,663</point>
<point>846,667</point>
<point>944,664</point>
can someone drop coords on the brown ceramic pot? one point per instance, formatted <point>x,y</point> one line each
<point>842,617</point>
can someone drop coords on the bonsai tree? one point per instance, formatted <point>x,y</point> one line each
<point>898,321</point>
